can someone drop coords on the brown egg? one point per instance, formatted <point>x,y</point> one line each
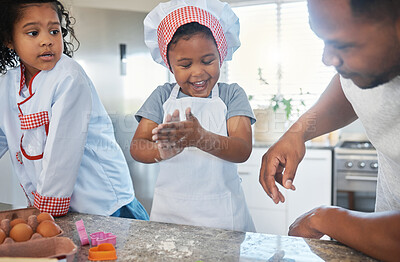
<point>48,228</point>
<point>2,236</point>
<point>17,221</point>
<point>21,232</point>
<point>44,216</point>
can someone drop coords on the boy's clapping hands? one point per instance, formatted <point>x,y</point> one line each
<point>174,135</point>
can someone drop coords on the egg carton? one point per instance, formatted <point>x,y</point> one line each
<point>19,213</point>
<point>25,213</point>
<point>52,247</point>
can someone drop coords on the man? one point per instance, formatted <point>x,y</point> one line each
<point>362,41</point>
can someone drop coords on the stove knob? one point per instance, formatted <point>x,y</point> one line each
<point>374,165</point>
<point>361,164</point>
<point>348,164</point>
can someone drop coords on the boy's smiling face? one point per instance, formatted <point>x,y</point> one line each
<point>195,63</point>
<point>37,38</point>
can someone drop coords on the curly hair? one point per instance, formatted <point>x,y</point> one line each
<point>11,12</point>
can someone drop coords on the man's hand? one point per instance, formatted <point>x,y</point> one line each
<point>304,226</point>
<point>280,163</point>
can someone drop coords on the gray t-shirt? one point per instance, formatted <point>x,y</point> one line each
<point>232,95</point>
<point>379,111</point>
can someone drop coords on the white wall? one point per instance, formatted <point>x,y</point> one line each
<point>100,33</point>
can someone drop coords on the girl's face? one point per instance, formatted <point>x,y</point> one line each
<point>195,64</point>
<point>37,38</point>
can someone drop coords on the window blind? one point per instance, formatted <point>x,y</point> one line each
<point>276,39</point>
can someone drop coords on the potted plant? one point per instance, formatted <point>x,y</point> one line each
<point>273,118</point>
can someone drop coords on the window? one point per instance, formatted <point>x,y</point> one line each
<point>277,39</point>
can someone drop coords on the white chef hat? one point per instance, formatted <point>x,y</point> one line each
<point>162,22</point>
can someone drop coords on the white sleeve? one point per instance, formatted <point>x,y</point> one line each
<point>3,143</point>
<point>70,115</point>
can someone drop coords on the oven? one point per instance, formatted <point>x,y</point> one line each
<point>355,175</point>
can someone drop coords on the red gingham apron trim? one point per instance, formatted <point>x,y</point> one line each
<point>53,205</point>
<point>17,155</point>
<point>168,26</point>
<point>22,81</point>
<point>33,121</point>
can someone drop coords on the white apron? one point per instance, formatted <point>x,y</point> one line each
<point>197,188</point>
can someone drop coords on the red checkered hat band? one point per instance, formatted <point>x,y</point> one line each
<point>185,15</point>
<point>34,120</point>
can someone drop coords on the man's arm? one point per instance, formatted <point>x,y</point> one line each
<point>332,111</point>
<point>375,234</point>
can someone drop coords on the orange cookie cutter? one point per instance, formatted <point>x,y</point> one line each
<point>105,251</point>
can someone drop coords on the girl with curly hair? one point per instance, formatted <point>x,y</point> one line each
<point>52,122</point>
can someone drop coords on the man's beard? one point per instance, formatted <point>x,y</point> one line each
<point>380,79</point>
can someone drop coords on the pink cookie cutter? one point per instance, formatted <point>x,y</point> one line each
<point>101,237</point>
<point>82,232</point>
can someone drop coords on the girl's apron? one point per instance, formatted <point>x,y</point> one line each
<point>197,188</point>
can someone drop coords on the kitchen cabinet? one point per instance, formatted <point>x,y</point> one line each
<point>10,190</point>
<point>313,188</point>
<point>7,181</point>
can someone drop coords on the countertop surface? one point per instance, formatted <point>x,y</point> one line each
<point>151,241</point>
<point>309,145</point>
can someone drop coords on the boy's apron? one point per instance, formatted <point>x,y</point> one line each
<point>197,188</point>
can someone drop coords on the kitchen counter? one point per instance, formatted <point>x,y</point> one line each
<point>309,145</point>
<point>151,241</point>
